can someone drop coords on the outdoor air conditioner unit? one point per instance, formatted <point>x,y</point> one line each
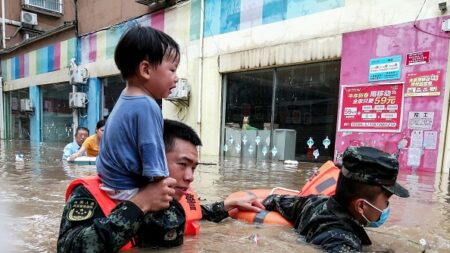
<point>28,18</point>
<point>25,105</point>
<point>181,91</point>
<point>77,100</point>
<point>77,74</point>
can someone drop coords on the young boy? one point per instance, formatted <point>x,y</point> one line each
<point>132,150</point>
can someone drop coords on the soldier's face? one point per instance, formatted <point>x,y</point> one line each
<point>182,161</point>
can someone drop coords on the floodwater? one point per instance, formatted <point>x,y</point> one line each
<point>33,180</point>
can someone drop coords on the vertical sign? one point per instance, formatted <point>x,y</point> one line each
<point>371,108</point>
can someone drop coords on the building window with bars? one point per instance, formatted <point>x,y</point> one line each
<point>52,7</point>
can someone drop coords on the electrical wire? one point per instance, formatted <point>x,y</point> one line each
<point>416,26</point>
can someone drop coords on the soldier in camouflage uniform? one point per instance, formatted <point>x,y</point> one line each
<point>366,182</point>
<point>84,227</point>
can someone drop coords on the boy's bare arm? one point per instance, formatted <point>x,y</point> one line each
<point>155,196</point>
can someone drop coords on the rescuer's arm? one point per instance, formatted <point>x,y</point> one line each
<point>219,210</point>
<point>287,205</point>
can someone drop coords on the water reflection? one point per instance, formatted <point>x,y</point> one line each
<point>32,197</point>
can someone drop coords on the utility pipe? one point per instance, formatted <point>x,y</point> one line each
<point>3,25</point>
<point>200,70</point>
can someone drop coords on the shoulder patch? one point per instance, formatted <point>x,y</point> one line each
<point>170,235</point>
<point>81,209</point>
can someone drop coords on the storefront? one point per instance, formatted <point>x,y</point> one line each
<point>266,80</point>
<point>112,88</point>
<point>57,119</point>
<point>282,113</point>
<point>17,120</point>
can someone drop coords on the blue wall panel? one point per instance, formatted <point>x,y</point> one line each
<point>36,117</point>
<point>95,103</point>
<point>274,11</point>
<point>230,16</point>
<point>212,17</point>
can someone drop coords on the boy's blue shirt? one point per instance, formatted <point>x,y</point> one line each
<point>132,148</point>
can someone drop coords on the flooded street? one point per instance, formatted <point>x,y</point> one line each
<point>33,180</point>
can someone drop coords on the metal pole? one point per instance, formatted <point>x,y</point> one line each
<point>272,116</point>
<point>2,121</point>
<point>3,25</point>
<point>200,70</point>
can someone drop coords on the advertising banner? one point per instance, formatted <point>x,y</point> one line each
<point>418,58</point>
<point>421,84</point>
<point>371,108</point>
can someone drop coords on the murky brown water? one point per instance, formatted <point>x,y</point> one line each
<point>32,191</point>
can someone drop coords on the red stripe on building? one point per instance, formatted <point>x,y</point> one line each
<point>158,20</point>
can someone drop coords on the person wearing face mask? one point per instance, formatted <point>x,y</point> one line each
<point>366,182</point>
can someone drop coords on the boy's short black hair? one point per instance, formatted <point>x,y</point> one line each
<point>80,128</point>
<point>143,43</point>
<point>175,129</point>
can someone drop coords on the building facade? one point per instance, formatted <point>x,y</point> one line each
<point>267,79</point>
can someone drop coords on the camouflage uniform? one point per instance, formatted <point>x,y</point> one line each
<point>321,220</point>
<point>84,227</point>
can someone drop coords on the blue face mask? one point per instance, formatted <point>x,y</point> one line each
<point>383,217</point>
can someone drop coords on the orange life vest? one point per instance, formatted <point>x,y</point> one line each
<point>193,212</point>
<point>267,217</point>
<point>189,202</point>
<point>321,183</point>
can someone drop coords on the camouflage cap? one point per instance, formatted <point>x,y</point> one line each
<point>372,166</point>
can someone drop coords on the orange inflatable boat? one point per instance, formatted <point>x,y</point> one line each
<point>322,182</point>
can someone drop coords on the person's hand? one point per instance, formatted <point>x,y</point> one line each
<point>72,157</point>
<point>155,196</point>
<point>248,202</point>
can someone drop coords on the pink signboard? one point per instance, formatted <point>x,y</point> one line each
<point>417,58</point>
<point>371,108</point>
<point>417,142</point>
<point>422,84</point>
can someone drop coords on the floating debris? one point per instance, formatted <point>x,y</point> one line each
<point>19,158</point>
<point>254,238</point>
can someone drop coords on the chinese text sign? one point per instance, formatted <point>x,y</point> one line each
<point>371,108</point>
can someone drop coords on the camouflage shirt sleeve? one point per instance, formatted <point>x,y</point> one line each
<point>338,240</point>
<point>288,206</point>
<point>214,212</point>
<point>84,227</point>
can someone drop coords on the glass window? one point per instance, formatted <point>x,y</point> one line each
<point>19,121</point>
<point>249,94</point>
<point>48,5</point>
<point>57,116</point>
<point>306,101</point>
<point>305,110</point>
<point>112,87</point>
